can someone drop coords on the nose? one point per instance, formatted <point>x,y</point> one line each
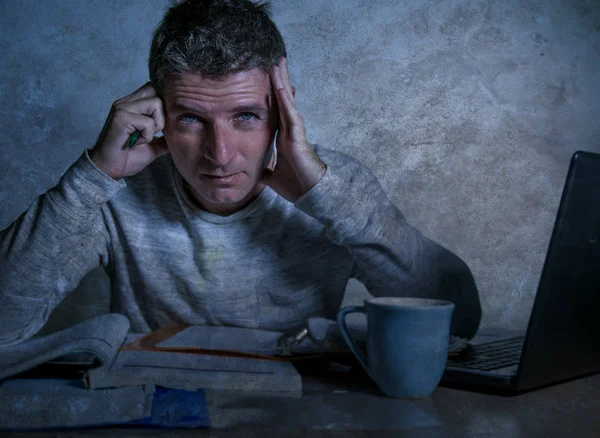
<point>218,147</point>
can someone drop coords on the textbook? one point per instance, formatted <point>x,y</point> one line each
<point>180,357</point>
<point>90,343</point>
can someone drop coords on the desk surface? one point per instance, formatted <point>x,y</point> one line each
<point>349,404</point>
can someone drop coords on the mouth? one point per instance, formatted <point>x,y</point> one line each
<point>223,179</point>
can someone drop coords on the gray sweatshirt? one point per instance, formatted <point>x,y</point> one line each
<point>270,265</point>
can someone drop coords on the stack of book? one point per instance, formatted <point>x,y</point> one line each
<point>69,378</point>
<point>97,373</point>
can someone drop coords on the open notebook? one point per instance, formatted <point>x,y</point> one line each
<point>108,356</point>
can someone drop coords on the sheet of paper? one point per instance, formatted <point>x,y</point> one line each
<point>225,338</point>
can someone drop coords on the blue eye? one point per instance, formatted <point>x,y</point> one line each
<point>188,115</point>
<point>243,115</point>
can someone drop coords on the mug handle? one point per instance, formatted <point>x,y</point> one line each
<point>341,319</point>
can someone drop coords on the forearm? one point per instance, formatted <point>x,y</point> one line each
<point>392,257</point>
<point>396,259</point>
<point>48,249</point>
<point>443,275</point>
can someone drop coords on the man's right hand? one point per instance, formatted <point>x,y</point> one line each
<point>140,111</point>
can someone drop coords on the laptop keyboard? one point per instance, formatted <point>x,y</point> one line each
<point>489,356</point>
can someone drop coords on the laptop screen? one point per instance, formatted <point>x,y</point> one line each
<point>563,337</point>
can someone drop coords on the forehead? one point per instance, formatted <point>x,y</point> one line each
<point>195,91</point>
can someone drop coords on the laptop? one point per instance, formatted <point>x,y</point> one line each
<point>562,340</point>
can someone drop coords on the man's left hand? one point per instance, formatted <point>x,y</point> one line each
<point>298,166</point>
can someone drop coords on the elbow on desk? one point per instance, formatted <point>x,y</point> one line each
<point>442,276</point>
<point>457,285</point>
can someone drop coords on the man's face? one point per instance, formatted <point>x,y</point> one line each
<point>216,129</point>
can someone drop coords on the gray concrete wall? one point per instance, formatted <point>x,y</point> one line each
<point>467,111</point>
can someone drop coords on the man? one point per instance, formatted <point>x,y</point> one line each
<point>211,223</point>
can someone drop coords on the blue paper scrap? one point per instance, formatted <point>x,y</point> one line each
<point>177,408</point>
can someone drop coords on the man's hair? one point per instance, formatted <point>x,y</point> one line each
<point>213,38</point>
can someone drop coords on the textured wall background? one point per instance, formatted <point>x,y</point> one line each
<point>467,111</point>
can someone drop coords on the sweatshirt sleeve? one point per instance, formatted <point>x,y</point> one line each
<point>46,252</point>
<point>392,258</point>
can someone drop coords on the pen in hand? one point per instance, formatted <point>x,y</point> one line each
<point>133,138</point>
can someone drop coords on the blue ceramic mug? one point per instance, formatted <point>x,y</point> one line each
<point>407,343</point>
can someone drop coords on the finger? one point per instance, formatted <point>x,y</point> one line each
<point>131,122</point>
<point>293,120</point>
<point>285,78</point>
<point>278,88</point>
<point>150,107</point>
<point>145,91</point>
<point>279,79</point>
<point>281,75</point>
<point>276,80</point>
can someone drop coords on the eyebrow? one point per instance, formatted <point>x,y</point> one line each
<point>252,108</point>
